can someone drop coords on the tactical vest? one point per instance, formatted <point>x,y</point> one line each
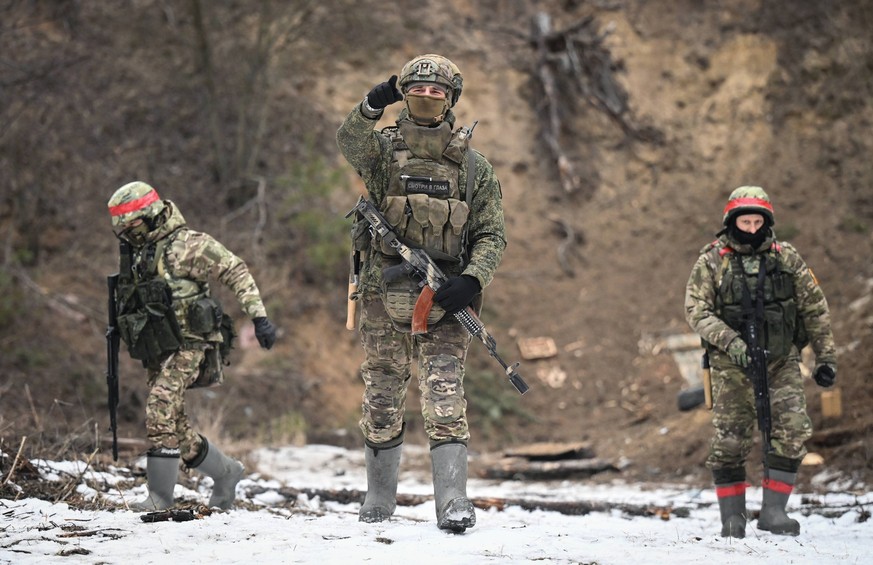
<point>426,206</point>
<point>783,326</point>
<point>147,321</point>
<point>159,314</point>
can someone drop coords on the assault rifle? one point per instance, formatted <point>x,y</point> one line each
<point>756,371</point>
<point>112,343</point>
<point>431,278</point>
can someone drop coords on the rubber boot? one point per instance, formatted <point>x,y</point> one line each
<point>161,472</point>
<point>454,510</point>
<point>225,471</point>
<point>383,466</point>
<point>732,505</point>
<point>777,490</point>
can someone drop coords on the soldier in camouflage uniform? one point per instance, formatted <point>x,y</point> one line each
<point>169,321</point>
<point>795,313</point>
<point>443,197</point>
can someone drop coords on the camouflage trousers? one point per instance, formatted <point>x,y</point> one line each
<point>735,419</point>
<point>167,424</point>
<point>386,373</point>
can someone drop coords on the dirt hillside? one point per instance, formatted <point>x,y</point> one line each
<point>750,92</point>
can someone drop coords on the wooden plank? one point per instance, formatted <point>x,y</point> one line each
<point>537,348</point>
<point>550,451</point>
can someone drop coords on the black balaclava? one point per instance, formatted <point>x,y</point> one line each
<point>753,239</point>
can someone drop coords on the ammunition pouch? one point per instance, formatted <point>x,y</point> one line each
<point>228,334</point>
<point>433,224</point>
<point>217,355</point>
<point>399,295</point>
<point>780,326</point>
<point>204,316</point>
<point>211,371</point>
<point>151,331</point>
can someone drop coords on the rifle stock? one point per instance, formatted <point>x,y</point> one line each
<point>112,344</point>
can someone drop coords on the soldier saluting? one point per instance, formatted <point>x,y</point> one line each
<point>755,303</point>
<point>169,321</point>
<point>440,196</point>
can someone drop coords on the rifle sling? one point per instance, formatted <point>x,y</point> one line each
<point>434,254</point>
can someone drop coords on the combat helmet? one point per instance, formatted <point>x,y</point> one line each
<point>748,200</point>
<point>433,68</point>
<point>133,201</point>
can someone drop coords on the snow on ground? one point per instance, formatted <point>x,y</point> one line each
<point>325,532</point>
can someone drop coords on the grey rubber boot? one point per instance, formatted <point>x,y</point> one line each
<point>161,473</point>
<point>732,505</point>
<point>777,490</point>
<point>454,510</point>
<point>225,471</point>
<point>383,466</point>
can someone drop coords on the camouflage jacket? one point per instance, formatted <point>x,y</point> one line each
<point>705,281</point>
<point>190,258</point>
<point>370,152</point>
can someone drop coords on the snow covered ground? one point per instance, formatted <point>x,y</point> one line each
<point>834,525</point>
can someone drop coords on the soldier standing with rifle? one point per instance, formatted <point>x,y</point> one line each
<point>756,303</point>
<point>161,307</point>
<point>442,197</point>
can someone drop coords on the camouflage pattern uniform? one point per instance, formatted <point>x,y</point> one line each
<point>441,351</point>
<point>189,259</point>
<point>734,414</point>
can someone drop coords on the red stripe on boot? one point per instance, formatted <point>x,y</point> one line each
<point>731,490</point>
<point>777,486</point>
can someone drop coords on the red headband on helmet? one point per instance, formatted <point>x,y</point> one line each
<point>134,205</point>
<point>747,202</point>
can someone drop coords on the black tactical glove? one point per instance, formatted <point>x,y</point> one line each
<point>265,331</point>
<point>457,293</point>
<point>824,375</point>
<point>384,94</point>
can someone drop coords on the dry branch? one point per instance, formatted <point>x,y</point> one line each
<point>566,170</point>
<point>565,245</point>
<point>571,64</point>
<point>15,461</point>
<point>73,483</point>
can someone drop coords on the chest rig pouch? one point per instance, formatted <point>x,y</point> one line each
<point>427,209</point>
<point>782,325</point>
<point>146,320</point>
<point>205,316</point>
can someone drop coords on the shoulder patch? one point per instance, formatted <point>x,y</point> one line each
<point>814,278</point>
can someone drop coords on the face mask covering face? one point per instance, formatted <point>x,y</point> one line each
<point>425,110</point>
<point>753,239</point>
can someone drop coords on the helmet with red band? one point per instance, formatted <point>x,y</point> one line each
<point>748,200</point>
<point>133,201</point>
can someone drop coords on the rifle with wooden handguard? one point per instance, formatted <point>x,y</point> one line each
<point>419,264</point>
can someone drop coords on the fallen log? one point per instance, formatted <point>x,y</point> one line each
<point>520,469</point>
<point>567,507</point>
